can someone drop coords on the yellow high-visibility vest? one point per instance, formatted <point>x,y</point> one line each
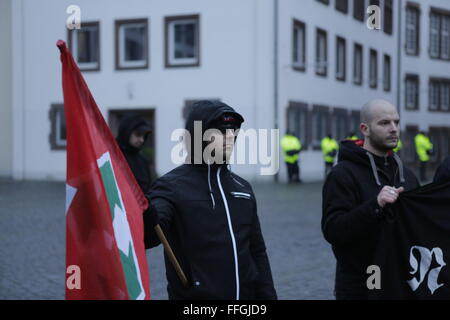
<point>328,145</point>
<point>423,145</point>
<point>290,143</point>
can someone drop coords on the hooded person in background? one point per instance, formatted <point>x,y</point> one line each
<point>209,216</point>
<point>133,132</point>
<point>367,178</point>
<point>443,172</point>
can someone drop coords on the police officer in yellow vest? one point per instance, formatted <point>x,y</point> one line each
<point>329,149</point>
<point>352,136</point>
<point>291,147</point>
<point>424,148</point>
<point>399,146</point>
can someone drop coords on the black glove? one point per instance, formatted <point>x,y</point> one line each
<point>292,152</point>
<point>151,216</point>
<point>332,153</point>
<point>430,152</point>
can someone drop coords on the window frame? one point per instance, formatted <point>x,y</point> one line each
<point>342,113</point>
<point>361,48</point>
<point>341,41</point>
<point>301,107</point>
<point>324,73</point>
<point>118,44</point>
<point>373,85</point>
<point>414,7</point>
<point>388,21</point>
<point>439,82</point>
<point>440,13</point>
<point>299,66</point>
<point>341,6</point>
<point>316,137</point>
<point>359,13</point>
<point>168,22</point>
<point>71,43</point>
<point>387,60</point>
<point>416,79</point>
<point>55,113</point>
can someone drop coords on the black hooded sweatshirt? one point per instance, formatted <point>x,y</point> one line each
<point>351,219</point>
<point>136,161</point>
<point>443,172</point>
<point>209,217</point>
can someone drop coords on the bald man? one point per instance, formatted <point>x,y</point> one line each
<point>367,178</point>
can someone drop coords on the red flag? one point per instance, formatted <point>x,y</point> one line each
<point>105,253</point>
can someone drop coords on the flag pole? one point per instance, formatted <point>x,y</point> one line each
<point>171,255</point>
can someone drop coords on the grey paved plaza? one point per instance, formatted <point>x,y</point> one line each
<point>32,237</point>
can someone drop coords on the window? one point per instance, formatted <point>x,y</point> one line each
<point>440,35</point>
<point>374,2</point>
<point>342,5</point>
<point>412,30</point>
<point>359,9</point>
<point>297,117</point>
<point>340,59</point>
<point>320,124</point>
<point>84,44</point>
<point>434,96</point>
<point>388,17</point>
<point>357,64</point>
<point>387,73</point>
<point>439,95</point>
<point>327,2</point>
<point>373,71</point>
<point>355,120</point>
<point>412,92</point>
<point>445,96</point>
<point>182,41</point>
<point>58,132</point>
<point>434,35</point>
<point>132,44</point>
<point>340,124</point>
<point>299,46</point>
<point>321,52</point>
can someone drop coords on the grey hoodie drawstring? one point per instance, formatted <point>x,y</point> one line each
<point>210,189</point>
<point>400,167</point>
<point>374,168</point>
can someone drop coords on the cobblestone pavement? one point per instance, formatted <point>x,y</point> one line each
<point>32,237</point>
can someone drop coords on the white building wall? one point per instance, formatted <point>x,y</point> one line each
<point>228,70</point>
<point>424,67</point>
<point>5,89</point>
<point>310,88</point>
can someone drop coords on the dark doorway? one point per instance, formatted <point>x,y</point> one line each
<point>148,151</point>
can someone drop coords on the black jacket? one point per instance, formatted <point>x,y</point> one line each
<point>209,217</point>
<point>351,217</point>
<point>136,161</point>
<point>443,172</point>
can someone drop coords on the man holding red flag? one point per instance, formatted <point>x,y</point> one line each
<point>104,203</point>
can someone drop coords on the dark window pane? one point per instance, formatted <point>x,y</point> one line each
<point>134,43</point>
<point>359,9</point>
<point>184,40</point>
<point>342,5</point>
<point>87,45</point>
<point>388,18</point>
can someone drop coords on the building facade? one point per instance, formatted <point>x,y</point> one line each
<point>307,66</point>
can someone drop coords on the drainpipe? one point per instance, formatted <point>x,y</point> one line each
<point>275,71</point>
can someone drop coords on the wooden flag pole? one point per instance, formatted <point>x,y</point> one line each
<point>171,255</point>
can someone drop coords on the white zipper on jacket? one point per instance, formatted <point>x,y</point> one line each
<point>230,227</point>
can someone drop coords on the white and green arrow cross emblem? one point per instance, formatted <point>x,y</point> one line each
<point>122,230</point>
